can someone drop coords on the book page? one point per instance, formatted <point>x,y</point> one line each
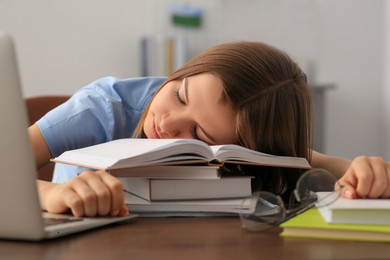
<point>229,151</point>
<point>132,151</point>
<point>238,154</point>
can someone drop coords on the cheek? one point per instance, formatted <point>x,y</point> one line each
<point>162,101</point>
<point>155,110</point>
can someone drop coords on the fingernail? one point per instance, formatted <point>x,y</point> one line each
<point>115,213</point>
<point>348,194</point>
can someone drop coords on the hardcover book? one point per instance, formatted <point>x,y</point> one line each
<point>187,189</point>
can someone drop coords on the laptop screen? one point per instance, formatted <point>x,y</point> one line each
<point>20,209</point>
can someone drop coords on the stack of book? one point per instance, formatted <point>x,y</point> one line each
<point>177,176</point>
<point>345,219</point>
<point>181,189</point>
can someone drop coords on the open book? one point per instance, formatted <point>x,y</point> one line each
<point>130,152</point>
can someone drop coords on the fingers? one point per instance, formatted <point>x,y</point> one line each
<point>348,183</point>
<point>367,177</point>
<point>81,199</point>
<point>117,197</point>
<point>92,194</point>
<point>379,183</point>
<point>348,191</point>
<point>386,194</point>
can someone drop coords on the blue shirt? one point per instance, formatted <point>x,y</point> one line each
<point>102,111</point>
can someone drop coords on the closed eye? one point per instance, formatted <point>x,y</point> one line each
<point>194,133</point>
<point>177,96</point>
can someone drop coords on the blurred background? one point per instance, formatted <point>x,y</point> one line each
<point>343,45</point>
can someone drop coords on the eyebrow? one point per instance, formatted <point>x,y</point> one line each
<point>185,83</point>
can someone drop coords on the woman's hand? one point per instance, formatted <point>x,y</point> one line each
<point>89,194</point>
<point>366,177</point>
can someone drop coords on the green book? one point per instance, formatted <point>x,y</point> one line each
<point>310,224</point>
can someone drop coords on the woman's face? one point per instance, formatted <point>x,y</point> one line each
<point>191,108</point>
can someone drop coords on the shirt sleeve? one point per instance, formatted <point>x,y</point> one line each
<point>104,110</point>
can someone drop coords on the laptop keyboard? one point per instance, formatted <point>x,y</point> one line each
<point>47,221</point>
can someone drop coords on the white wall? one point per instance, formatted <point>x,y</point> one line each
<point>63,45</point>
<point>386,69</point>
<point>352,47</point>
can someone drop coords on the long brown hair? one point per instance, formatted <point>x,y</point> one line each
<point>267,90</point>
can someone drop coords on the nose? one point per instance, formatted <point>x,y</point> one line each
<point>175,126</point>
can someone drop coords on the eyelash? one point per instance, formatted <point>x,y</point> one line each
<point>194,134</point>
<point>177,96</point>
<point>181,102</point>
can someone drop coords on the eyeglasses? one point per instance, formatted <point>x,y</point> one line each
<point>270,210</point>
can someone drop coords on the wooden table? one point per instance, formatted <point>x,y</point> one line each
<point>188,238</point>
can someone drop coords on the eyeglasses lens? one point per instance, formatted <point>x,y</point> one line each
<point>315,187</point>
<point>268,210</point>
<point>313,182</point>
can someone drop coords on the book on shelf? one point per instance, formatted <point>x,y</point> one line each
<point>138,205</point>
<point>170,172</point>
<point>310,224</point>
<point>356,211</point>
<point>130,152</point>
<point>160,55</point>
<point>187,189</point>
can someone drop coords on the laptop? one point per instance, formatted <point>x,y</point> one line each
<point>21,216</point>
